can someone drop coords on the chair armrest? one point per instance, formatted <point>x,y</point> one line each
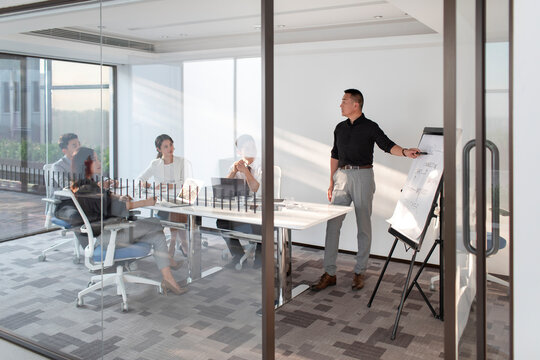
<point>51,201</point>
<point>118,226</point>
<point>173,225</point>
<point>111,248</point>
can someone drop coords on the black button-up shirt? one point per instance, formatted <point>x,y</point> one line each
<point>354,142</point>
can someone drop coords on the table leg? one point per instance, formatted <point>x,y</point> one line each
<point>194,249</point>
<point>194,252</point>
<point>285,291</point>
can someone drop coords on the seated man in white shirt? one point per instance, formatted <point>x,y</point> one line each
<point>249,169</point>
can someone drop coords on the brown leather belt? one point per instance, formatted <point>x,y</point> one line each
<point>354,167</point>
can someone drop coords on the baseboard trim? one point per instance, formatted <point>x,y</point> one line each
<point>33,346</point>
<point>378,257</point>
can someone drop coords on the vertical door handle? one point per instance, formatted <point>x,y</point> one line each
<point>495,203</point>
<point>467,196</point>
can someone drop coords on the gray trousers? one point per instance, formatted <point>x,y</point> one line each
<point>146,230</point>
<point>356,186</point>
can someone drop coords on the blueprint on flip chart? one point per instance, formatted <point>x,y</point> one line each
<point>420,189</point>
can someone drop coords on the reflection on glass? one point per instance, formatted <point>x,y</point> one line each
<point>33,119</point>
<point>497,131</point>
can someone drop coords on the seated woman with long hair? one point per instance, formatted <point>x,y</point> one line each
<point>95,200</point>
<point>168,170</point>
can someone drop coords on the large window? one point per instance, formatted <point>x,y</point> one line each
<point>222,100</point>
<point>41,99</point>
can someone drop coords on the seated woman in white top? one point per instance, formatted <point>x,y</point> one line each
<point>165,171</point>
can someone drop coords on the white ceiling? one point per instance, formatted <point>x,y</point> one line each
<point>187,25</point>
<point>175,27</point>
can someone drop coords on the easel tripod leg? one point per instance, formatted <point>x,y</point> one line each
<point>415,280</point>
<point>382,273</point>
<point>441,280</point>
<point>405,287</point>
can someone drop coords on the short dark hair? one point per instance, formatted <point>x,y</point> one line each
<point>356,95</point>
<point>65,139</point>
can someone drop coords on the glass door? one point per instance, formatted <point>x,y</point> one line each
<point>480,327</point>
<point>466,297</point>
<point>497,202</point>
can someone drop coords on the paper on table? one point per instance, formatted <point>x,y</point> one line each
<point>190,190</point>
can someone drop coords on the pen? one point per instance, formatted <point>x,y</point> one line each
<point>421,153</point>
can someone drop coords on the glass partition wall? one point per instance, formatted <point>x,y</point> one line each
<point>187,135</point>
<point>170,95</point>
<point>57,100</point>
<point>159,127</point>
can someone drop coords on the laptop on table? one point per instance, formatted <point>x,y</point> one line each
<point>225,188</point>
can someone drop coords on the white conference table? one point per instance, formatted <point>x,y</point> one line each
<point>288,216</point>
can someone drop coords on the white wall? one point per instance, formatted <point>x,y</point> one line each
<point>526,242</point>
<point>401,79</point>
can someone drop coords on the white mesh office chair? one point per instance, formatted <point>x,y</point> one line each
<point>96,258</point>
<point>50,205</point>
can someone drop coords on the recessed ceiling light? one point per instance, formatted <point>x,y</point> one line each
<point>257,27</point>
<point>378,17</point>
<point>280,26</point>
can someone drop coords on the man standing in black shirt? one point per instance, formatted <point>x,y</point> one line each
<point>351,180</point>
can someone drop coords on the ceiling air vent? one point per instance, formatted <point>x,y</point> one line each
<point>94,39</point>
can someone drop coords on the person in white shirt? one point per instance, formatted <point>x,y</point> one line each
<point>249,169</point>
<point>165,171</point>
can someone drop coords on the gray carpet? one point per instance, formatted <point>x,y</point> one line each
<point>217,318</point>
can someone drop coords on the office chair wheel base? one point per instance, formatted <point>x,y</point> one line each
<point>432,287</point>
<point>238,266</point>
<point>76,260</point>
<point>42,258</point>
<point>80,302</point>
<point>90,283</point>
<point>204,243</point>
<point>124,307</point>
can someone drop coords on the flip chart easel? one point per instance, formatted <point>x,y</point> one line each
<point>420,198</point>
